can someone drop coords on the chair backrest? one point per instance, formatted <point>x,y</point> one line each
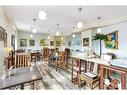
<point>22,59</point>
<point>95,68</point>
<point>62,56</point>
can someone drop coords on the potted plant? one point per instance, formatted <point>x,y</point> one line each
<point>100,37</point>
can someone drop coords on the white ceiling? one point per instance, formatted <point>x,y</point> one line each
<point>66,16</point>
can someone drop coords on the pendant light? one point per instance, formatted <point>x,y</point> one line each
<point>42,15</point>
<point>49,34</point>
<point>73,35</point>
<point>31,35</point>
<point>34,27</point>
<point>57,33</point>
<point>62,36</point>
<point>79,24</point>
<point>99,29</point>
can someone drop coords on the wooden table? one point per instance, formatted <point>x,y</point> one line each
<point>123,72</point>
<point>20,76</point>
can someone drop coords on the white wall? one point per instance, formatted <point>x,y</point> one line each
<point>7,23</point>
<point>74,46</point>
<point>1,52</point>
<point>122,39</point>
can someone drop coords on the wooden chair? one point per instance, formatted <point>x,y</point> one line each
<point>22,59</point>
<point>91,78</point>
<point>62,60</point>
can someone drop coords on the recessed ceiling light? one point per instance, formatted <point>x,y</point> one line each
<point>42,15</point>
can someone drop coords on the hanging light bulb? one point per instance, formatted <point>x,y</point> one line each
<point>73,35</point>
<point>49,34</point>
<point>99,29</point>
<point>48,37</point>
<point>62,38</point>
<point>57,33</point>
<point>42,15</point>
<point>31,35</point>
<point>34,29</point>
<point>80,24</point>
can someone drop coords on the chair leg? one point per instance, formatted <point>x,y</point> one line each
<point>32,85</point>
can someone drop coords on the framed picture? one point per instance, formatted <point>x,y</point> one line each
<point>112,40</point>
<point>58,43</point>
<point>86,42</point>
<point>3,36</point>
<point>51,43</point>
<point>42,42</point>
<point>31,42</point>
<point>23,42</point>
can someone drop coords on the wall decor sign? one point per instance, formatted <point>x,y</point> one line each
<point>31,42</point>
<point>58,43</point>
<point>23,42</point>
<point>42,42</point>
<point>112,40</point>
<point>3,36</point>
<point>86,42</point>
<point>51,43</point>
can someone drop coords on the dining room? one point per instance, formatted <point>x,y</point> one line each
<point>63,47</point>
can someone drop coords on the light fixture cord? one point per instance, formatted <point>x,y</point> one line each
<point>34,19</point>
<point>99,18</point>
<point>57,27</point>
<point>80,9</point>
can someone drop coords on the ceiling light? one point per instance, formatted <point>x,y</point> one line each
<point>34,27</point>
<point>34,30</point>
<point>42,15</point>
<point>62,38</point>
<point>73,35</point>
<point>57,33</point>
<point>31,35</point>
<point>48,37</point>
<point>98,30</point>
<point>79,24</point>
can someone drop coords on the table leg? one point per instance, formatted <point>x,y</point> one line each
<point>123,80</point>
<point>101,77</point>
<point>22,86</point>
<point>72,70</point>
